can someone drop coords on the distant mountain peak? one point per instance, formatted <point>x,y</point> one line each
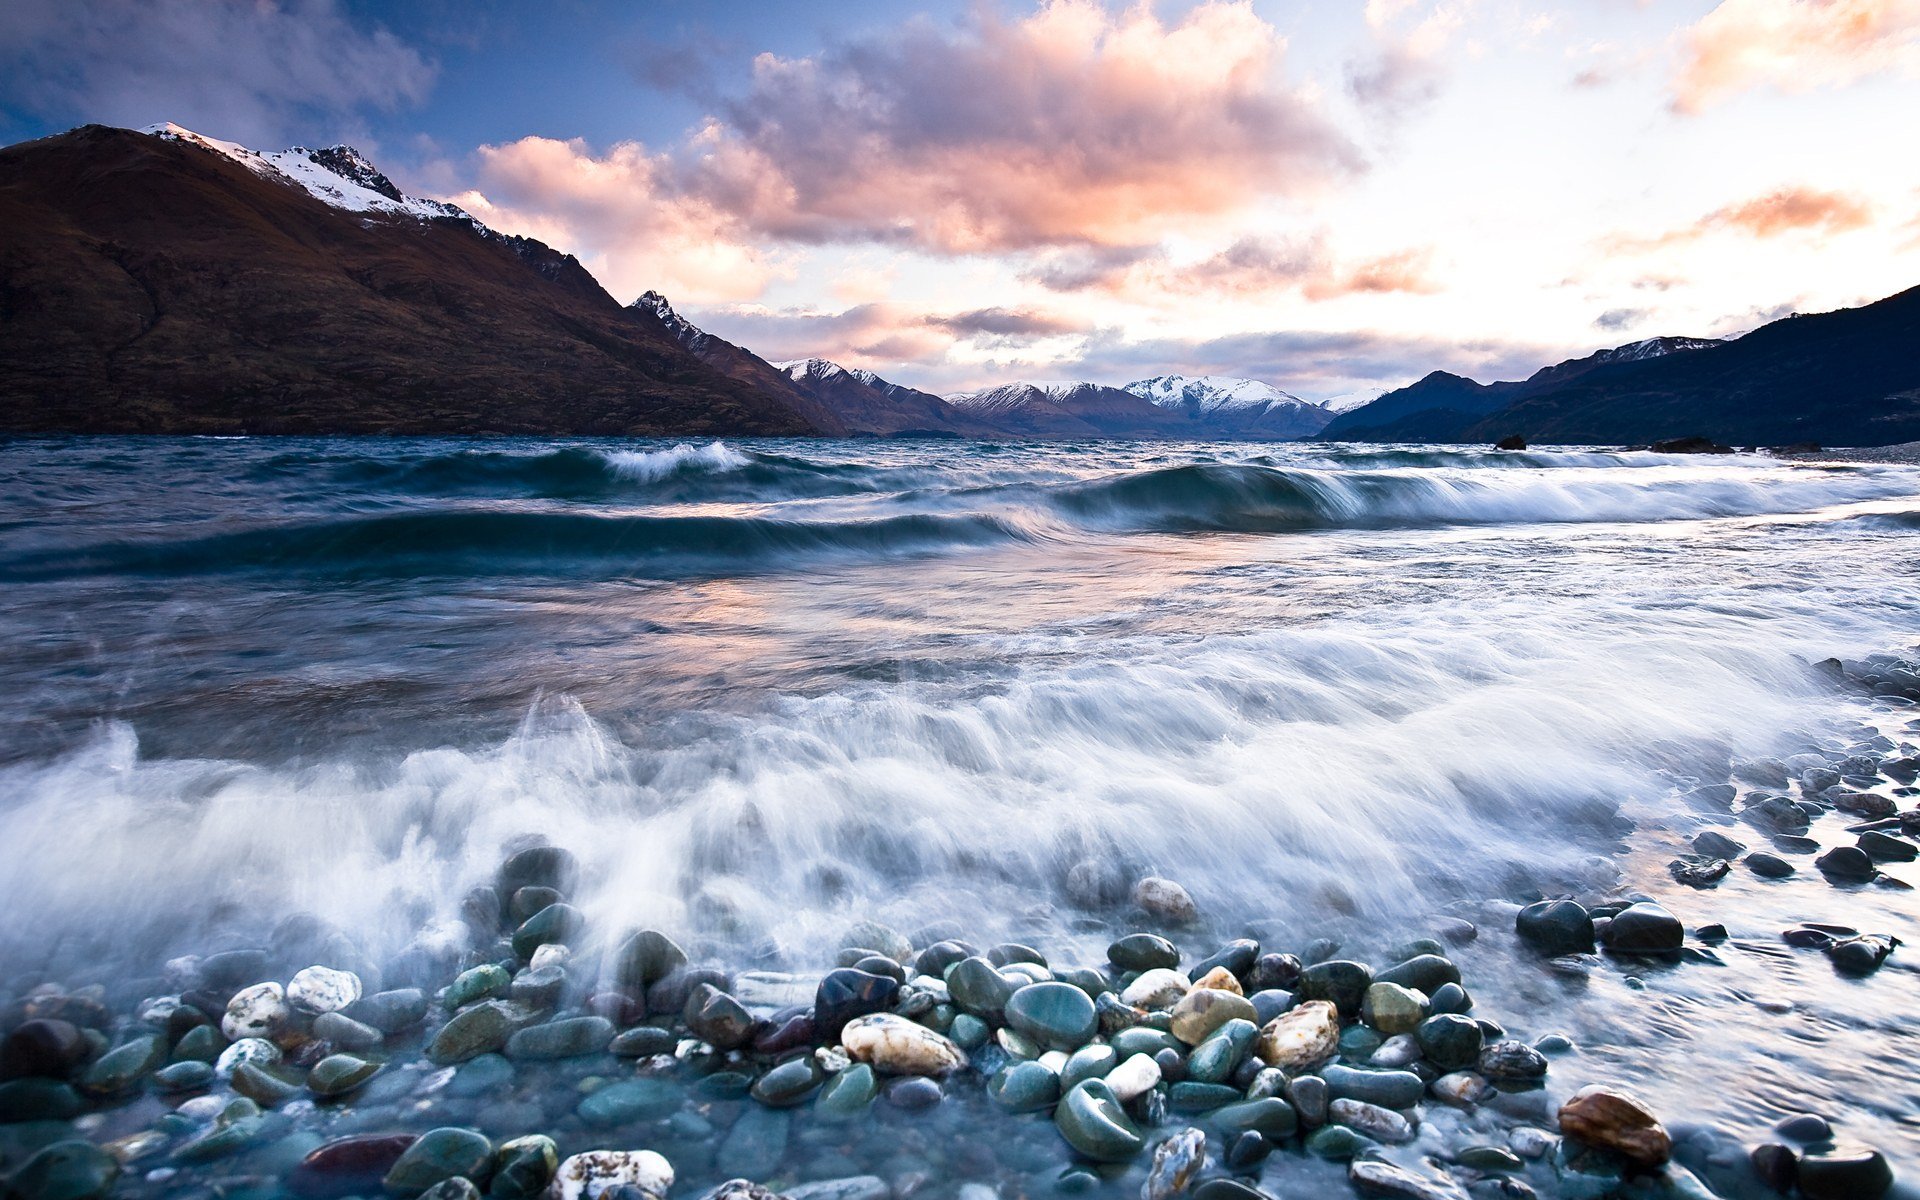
<point>1211,393</point>
<point>338,175</point>
<point>821,369</point>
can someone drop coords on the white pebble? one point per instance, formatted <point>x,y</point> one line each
<point>323,990</point>
<point>1135,1077</point>
<point>258,1051</point>
<point>255,1012</point>
<point>1158,988</point>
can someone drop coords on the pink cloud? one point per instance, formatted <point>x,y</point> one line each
<point>1072,126</point>
<point>1251,267</point>
<point>1793,46</point>
<point>1795,209</point>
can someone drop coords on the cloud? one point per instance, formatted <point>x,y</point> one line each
<point>1616,319</point>
<point>1071,127</point>
<point>1793,46</point>
<point>1406,69</point>
<point>1250,267</point>
<point>881,335</point>
<point>1013,323</point>
<point>1794,209</point>
<point>260,71</point>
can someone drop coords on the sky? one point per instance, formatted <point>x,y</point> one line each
<point>1330,197</point>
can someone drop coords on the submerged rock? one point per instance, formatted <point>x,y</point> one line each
<point>587,1176</point>
<point>1612,1121</point>
<point>1165,899</point>
<point>1176,1163</point>
<point>1092,1121</point>
<point>1645,928</point>
<point>1300,1039</point>
<point>893,1045</point>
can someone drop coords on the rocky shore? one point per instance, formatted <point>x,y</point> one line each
<point>548,1058</point>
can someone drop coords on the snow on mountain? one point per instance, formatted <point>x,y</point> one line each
<point>337,175</point>
<point>1654,347</point>
<point>1210,393</point>
<point>1348,401</point>
<point>803,370</point>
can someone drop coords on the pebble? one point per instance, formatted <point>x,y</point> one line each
<point>1340,981</point>
<point>322,990</point>
<point>1057,1016</point>
<point>1092,1121</point>
<point>1768,866</point>
<point>1203,1010</point>
<point>1143,952</point>
<point>1613,1121</point>
<point>896,1046</point>
<point>1380,1124</point>
<point>1177,1161</point>
<point>1845,1172</point>
<point>257,1051</point>
<point>1373,1177</point>
<point>1300,1039</point>
<point>1555,927</point>
<point>586,1176</point>
<point>1165,899</point>
<point>438,1155</point>
<point>567,1038</point>
<point>259,1011</point>
<point>1134,1077</point>
<point>1160,987</point>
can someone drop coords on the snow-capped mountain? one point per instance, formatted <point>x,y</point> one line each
<point>1346,402</point>
<point>1228,406</point>
<point>869,404</point>
<point>338,175</point>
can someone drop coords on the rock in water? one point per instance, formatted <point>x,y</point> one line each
<point>1158,987</point>
<point>1612,1121</point>
<point>1165,899</point>
<point>1176,1162</point>
<point>1091,1120</point>
<point>1300,1039</point>
<point>893,1045</point>
<point>586,1176</point>
<point>1203,1010</point>
<point>1372,1177</point>
<point>323,990</point>
<point>438,1155</point>
<point>72,1170</point>
<point>847,993</point>
<point>1555,927</point>
<point>256,1012</point>
<point>1059,1016</point>
<point>1845,1173</point>
<point>1645,928</point>
<point>1861,955</point>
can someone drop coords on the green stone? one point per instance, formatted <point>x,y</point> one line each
<point>72,1170</point>
<point>202,1043</point>
<point>1271,1117</point>
<point>1344,983</point>
<point>482,1029</point>
<point>124,1066</point>
<point>1143,952</point>
<point>523,1167</point>
<point>1142,1040</point>
<point>1357,1042</point>
<point>969,1032</point>
<point>38,1100</point>
<point>633,1100</point>
<point>1451,1042</point>
<point>788,1084</point>
<point>1025,1087</point>
<point>338,1074</point>
<point>1336,1143</point>
<point>477,983</point>
<point>1422,973</point>
<point>1058,1016</point>
<point>847,1094</point>
<point>570,1037</point>
<point>1214,1060</point>
<point>438,1155</point>
<point>1088,1062</point>
<point>1092,1121</point>
<point>1489,1158</point>
<point>262,1086</point>
<point>554,923</point>
<point>979,988</point>
<point>183,1076</point>
<point>1190,1097</point>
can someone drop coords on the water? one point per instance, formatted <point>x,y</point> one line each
<point>766,689</point>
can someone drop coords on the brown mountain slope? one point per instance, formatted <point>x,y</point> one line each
<point>150,285</point>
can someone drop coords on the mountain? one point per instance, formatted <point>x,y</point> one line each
<point>1219,406</point>
<point>868,404</point>
<point>1067,410</point>
<point>1845,378</point>
<point>1348,401</point>
<point>740,365</point>
<point>1441,407</point>
<point>165,282</point>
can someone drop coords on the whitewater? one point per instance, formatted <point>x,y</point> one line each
<point>766,689</point>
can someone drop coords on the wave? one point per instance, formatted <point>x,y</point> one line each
<point>496,542</point>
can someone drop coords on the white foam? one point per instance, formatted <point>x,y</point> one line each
<point>650,466</point>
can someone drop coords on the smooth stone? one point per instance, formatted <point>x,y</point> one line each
<point>539,987</point>
<point>852,1187</point>
<point>1400,1050</point>
<point>257,1011</point>
<point>629,1101</point>
<point>1269,1004</point>
<point>1391,1089</point>
<point>1129,1042</point>
<point>1380,1124</point>
<point>1778,814</point>
<point>1512,1062</point>
<point>756,1144</point>
<point>589,1175</point>
<point>1058,1016</point>
<point>642,1041</point>
<point>1804,1127</point>
<point>47,1048</point>
<point>1884,847</point>
<point>1845,1173</point>
<point>537,866</point>
<point>894,1045</point>
<point>481,1029</point>
<point>1246,1152</point>
<point>523,1167</point>
<point>1495,1159</point>
<point>645,958</point>
<point>338,1074</point>
<point>1768,866</point>
<point>1215,1059</point>
<point>718,1019</point>
<point>184,1076</point>
<point>437,1155</point>
<point>1393,1008</point>
<point>969,1032</point>
<point>1204,1010</point>
<point>1236,958</point>
<point>1274,972</point>
<point>1270,1116</point>
<point>978,987</point>
<point>1165,899</point>
<point>1309,1096</point>
<point>257,1051</point>
<point>1177,1161</point>
<point>883,939</point>
<point>322,990</point>
<point>202,1043</point>
<point>1600,1117</point>
<point>1777,1166</point>
<point>846,993</point>
<point>1714,844</point>
<point>788,1084</point>
<point>1341,982</point>
<point>555,923</point>
<point>1088,1062</point>
<point>1301,1038</point>
<point>1645,928</point>
<point>848,1093</point>
<point>937,958</point>
<point>1160,987</point>
<point>1449,998</point>
<point>1143,952</point>
<point>1849,863</point>
<point>1219,979</point>
<point>124,1066</point>
<point>914,1093</point>
<point>347,1166</point>
<point>1423,973</point>
<point>1450,1041</point>
<point>1193,1097</point>
<point>1374,1177</point>
<point>263,1085</point>
<point>345,1033</point>
<point>392,1011</point>
<point>1092,1121</point>
<point>1462,1089</point>
<point>1135,1076</point>
<point>1336,1143</point>
<point>570,1037</point>
<point>70,1170</point>
<point>474,984</point>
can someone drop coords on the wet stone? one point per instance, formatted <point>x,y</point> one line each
<point>1450,1041</point>
<point>1058,1016</point>
<point>1177,1162</point>
<point>391,1012</point>
<point>642,1041</point>
<point>1555,927</point>
<point>1391,1089</point>
<point>647,957</point>
<point>523,1167</point>
<point>1092,1121</point>
<point>477,983</point>
<point>846,994</point>
<point>1422,973</point>
<point>914,1093</point>
<point>1512,1062</point>
<point>1768,866</point>
<point>629,1101</point>
<point>1203,1010</point>
<point>1599,1117</point>
<point>1645,928</point>
<point>717,1018</point>
<point>1340,982</point>
<point>1236,958</point>
<point>338,1074</point>
<point>74,1170</point>
<point>788,1084</point>
<point>47,1048</point>
<point>848,1093</point>
<point>438,1155</point>
<point>1845,1173</point>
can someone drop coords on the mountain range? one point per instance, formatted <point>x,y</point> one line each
<point>162,281</point>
